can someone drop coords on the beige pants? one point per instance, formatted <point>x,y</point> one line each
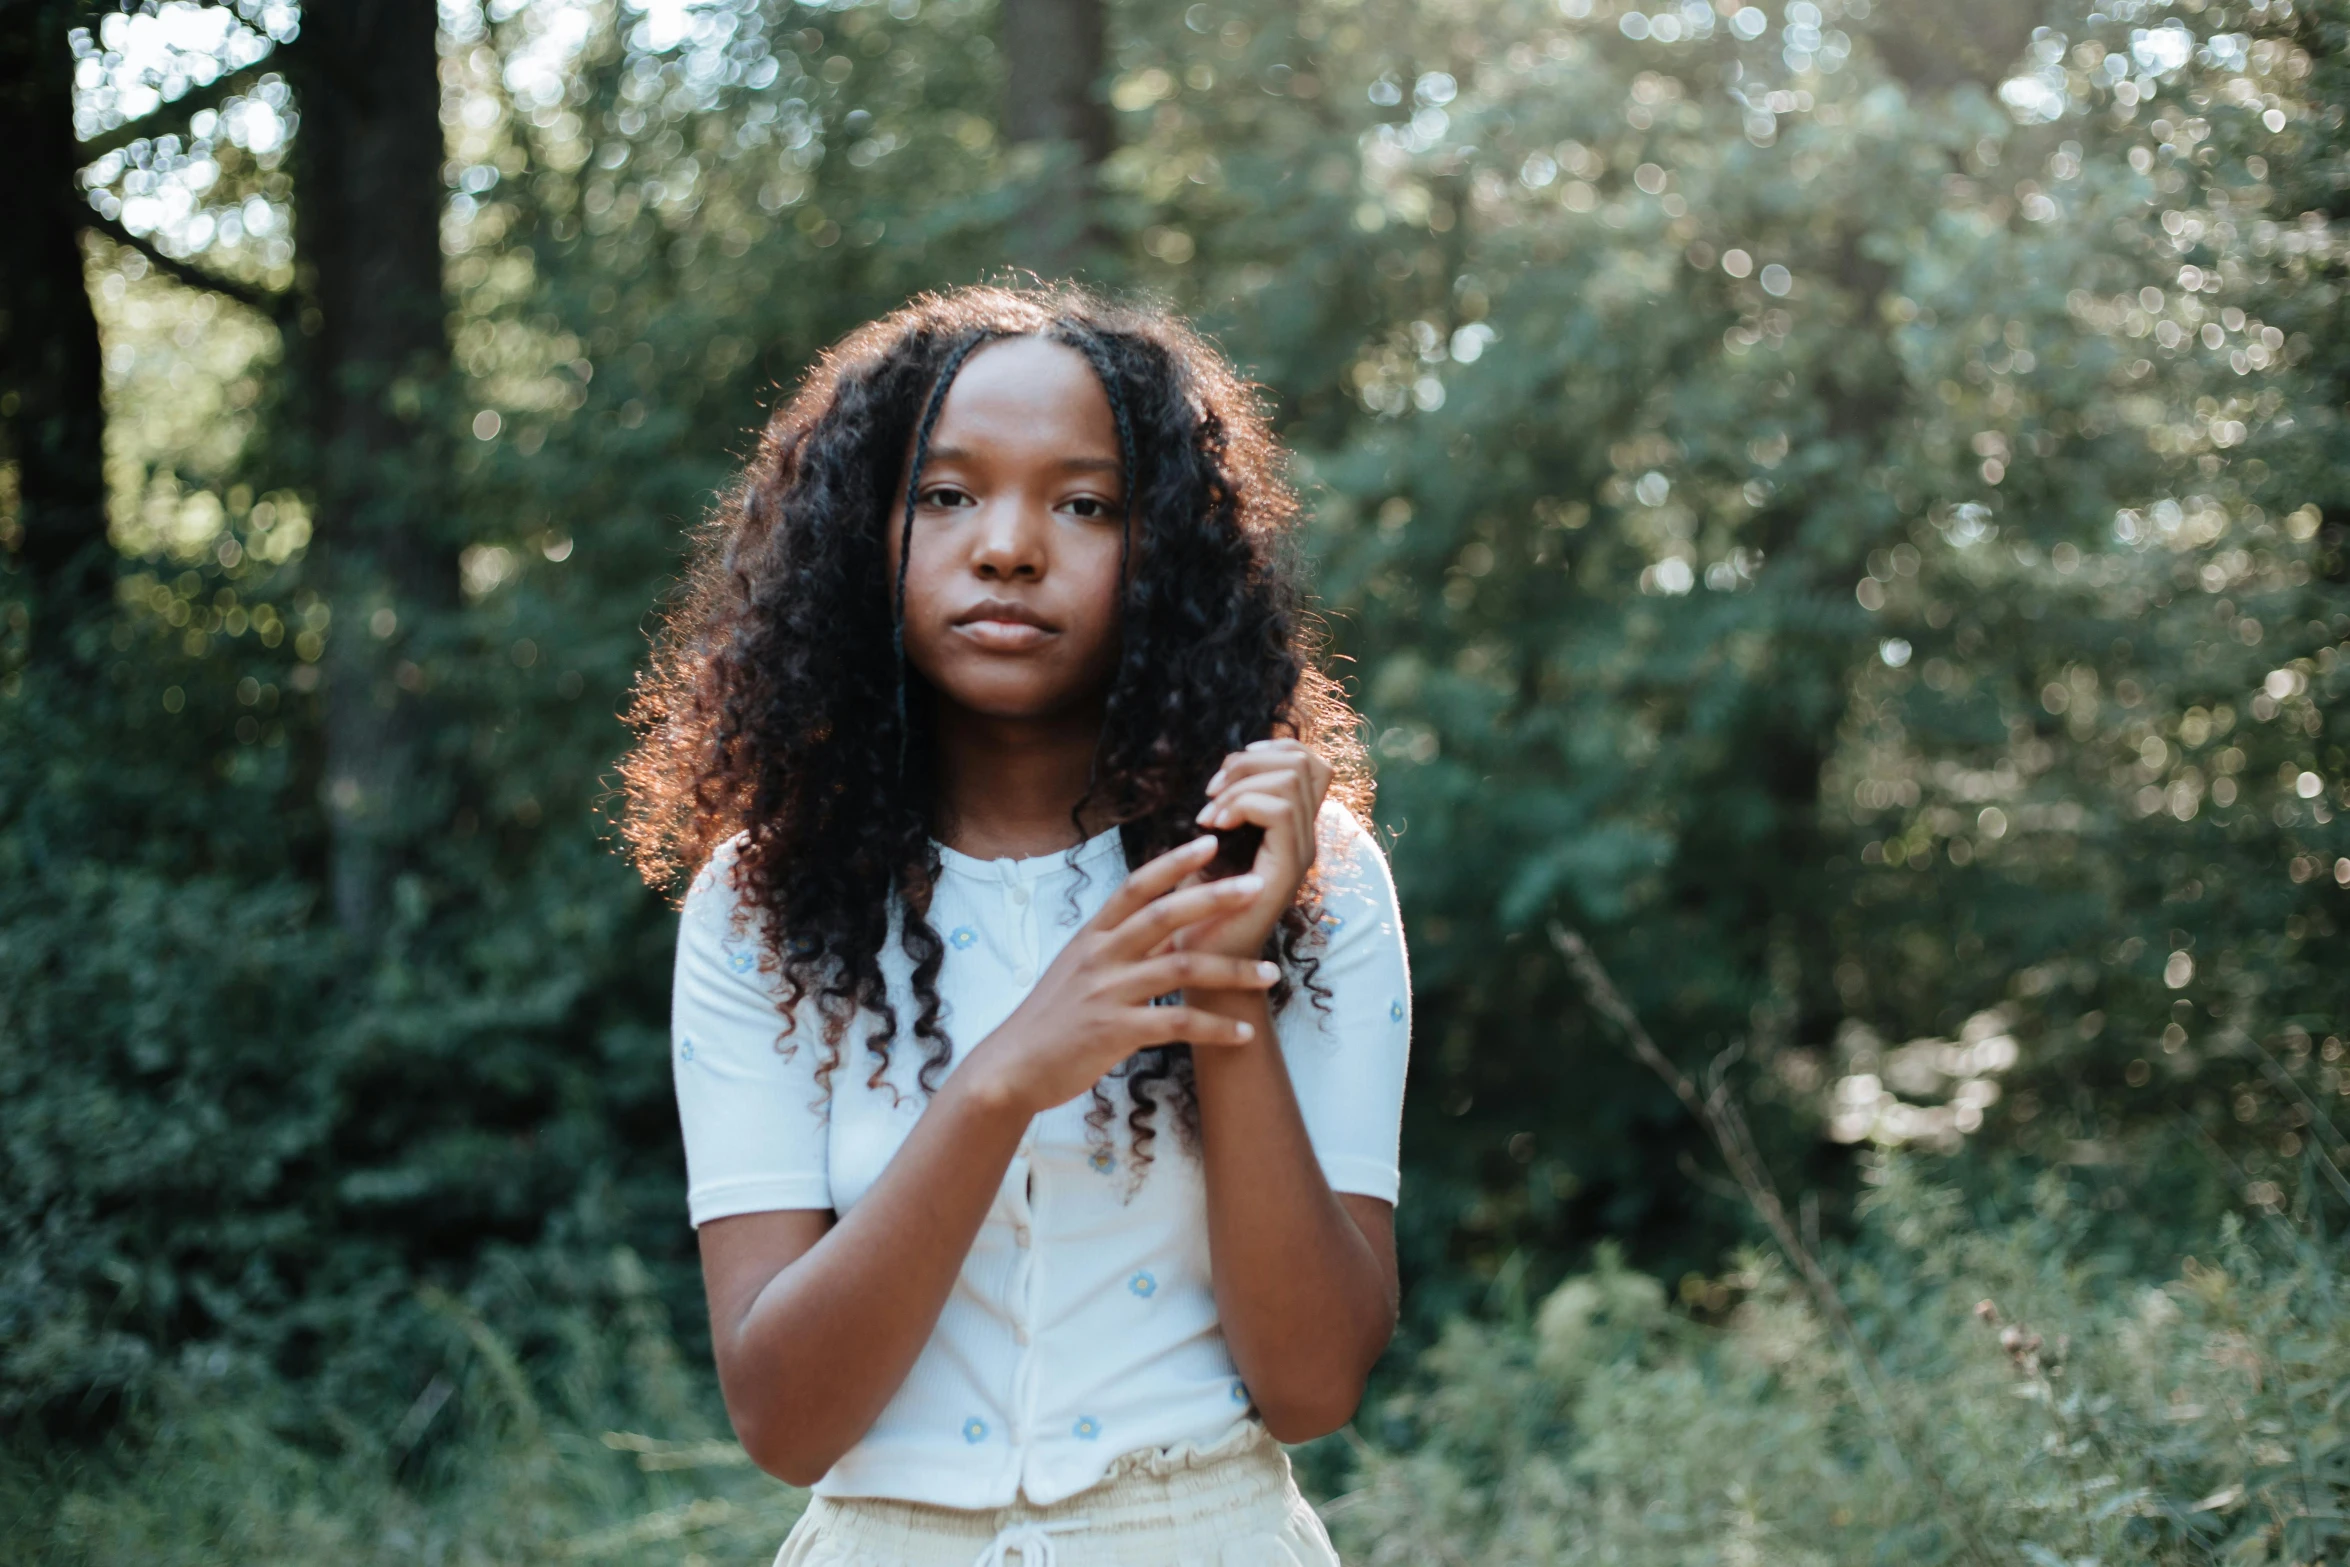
<point>1230,1505</point>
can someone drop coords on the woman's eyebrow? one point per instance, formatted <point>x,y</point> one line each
<point>1066,464</point>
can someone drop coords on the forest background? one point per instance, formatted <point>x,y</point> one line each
<point>1836,516</point>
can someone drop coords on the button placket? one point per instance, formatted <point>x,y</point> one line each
<point>1023,1402</point>
<point>1020,912</point>
<point>1020,1189</point>
<point>1028,1385</point>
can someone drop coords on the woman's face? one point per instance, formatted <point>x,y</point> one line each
<point>1012,593</point>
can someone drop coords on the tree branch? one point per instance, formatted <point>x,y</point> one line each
<point>273,305</point>
<point>1720,1115</point>
<point>177,112</point>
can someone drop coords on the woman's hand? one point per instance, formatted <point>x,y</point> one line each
<point>1092,1009</point>
<point>816,1323</point>
<point>1277,785</point>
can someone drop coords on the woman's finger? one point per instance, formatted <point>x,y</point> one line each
<point>1295,784</point>
<point>1276,755</point>
<point>1152,879</point>
<point>1195,971</point>
<point>1142,931</point>
<point>1307,782</point>
<point>1280,814</point>
<point>1192,1025</point>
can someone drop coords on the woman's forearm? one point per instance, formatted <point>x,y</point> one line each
<point>811,1347</point>
<point>815,1329</point>
<point>1305,1290</point>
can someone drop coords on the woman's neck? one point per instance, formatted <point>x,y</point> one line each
<point>1006,786</point>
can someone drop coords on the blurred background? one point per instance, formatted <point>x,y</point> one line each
<point>1835,511</point>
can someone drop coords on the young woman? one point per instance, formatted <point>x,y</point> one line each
<point>1044,1165</point>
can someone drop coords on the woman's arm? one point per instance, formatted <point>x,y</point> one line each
<point>1305,1277</point>
<point>816,1323</point>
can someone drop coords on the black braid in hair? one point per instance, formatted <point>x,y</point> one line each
<point>1159,1061</point>
<point>1097,354</point>
<point>930,409</point>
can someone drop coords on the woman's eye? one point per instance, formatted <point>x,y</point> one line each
<point>945,495</point>
<point>1090,506</point>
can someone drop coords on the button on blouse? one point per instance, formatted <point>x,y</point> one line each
<point>1083,1325</point>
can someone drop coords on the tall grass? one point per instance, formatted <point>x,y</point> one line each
<point>2031,1403</point>
<point>2032,1396</point>
<point>608,1449</point>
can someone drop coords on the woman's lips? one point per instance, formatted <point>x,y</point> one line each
<point>1003,636</point>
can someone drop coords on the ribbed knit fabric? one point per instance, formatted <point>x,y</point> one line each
<point>1230,1504</point>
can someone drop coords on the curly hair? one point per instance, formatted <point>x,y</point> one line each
<point>778,711</point>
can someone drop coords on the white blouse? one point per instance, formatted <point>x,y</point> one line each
<point>1084,1324</point>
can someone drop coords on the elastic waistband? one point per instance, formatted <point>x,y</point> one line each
<point>1151,1489</point>
<point>1245,1458</point>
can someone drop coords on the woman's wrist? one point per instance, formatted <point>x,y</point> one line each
<point>1252,1007</point>
<point>1227,942</point>
<point>991,1086</point>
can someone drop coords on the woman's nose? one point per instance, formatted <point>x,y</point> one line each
<point>1014,541</point>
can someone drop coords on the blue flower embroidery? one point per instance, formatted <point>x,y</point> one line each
<point>740,961</point>
<point>685,1050</point>
<point>1103,1161</point>
<point>1143,1285</point>
<point>1239,1391</point>
<point>1395,1010</point>
<point>974,1430</point>
<point>1086,1428</point>
<point>963,938</point>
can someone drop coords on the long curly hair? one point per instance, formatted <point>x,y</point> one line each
<point>778,710</point>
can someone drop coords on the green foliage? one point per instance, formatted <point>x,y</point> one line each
<point>1840,643</point>
<point>2039,1399</point>
<point>228,1466</point>
<point>1870,555</point>
<point>2038,1404</point>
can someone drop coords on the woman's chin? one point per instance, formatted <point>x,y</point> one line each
<point>1027,701</point>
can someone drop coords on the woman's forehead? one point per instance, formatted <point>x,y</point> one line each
<point>1024,391</point>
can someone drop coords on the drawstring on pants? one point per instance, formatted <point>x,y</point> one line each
<point>1032,1540</point>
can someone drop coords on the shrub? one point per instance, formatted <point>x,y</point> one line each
<point>2025,1399</point>
<point>491,1463</point>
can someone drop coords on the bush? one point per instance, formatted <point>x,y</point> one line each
<point>2023,1399</point>
<point>491,1463</point>
<point>2026,1393</point>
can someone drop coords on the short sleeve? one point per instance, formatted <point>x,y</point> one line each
<point>752,1112</point>
<point>1347,1056</point>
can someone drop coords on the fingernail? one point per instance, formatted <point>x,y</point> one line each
<point>1268,971</point>
<point>1215,783</point>
<point>1246,1030</point>
<point>1241,884</point>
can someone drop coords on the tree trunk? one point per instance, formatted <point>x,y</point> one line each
<point>52,414</point>
<point>373,354</point>
<point>1054,114</point>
